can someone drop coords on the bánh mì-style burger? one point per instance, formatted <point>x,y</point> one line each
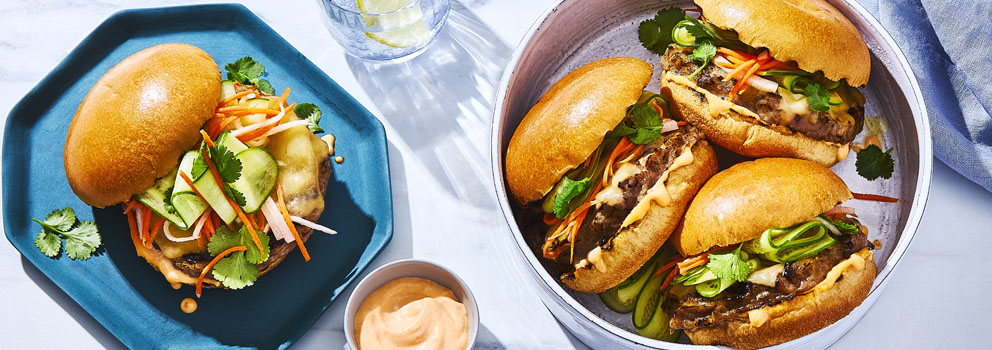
<point>769,78</point>
<point>607,168</point>
<point>770,255</point>
<point>220,179</point>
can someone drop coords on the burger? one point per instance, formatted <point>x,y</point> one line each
<point>220,180</point>
<point>770,255</point>
<point>606,170</point>
<point>769,78</point>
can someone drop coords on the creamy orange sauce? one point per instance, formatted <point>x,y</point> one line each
<point>188,305</point>
<point>411,313</point>
<point>658,193</point>
<point>329,140</point>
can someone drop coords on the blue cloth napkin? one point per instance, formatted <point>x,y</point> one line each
<point>948,43</point>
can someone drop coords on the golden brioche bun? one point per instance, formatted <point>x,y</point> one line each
<point>743,133</point>
<point>795,318</point>
<point>812,33</point>
<point>741,202</point>
<point>569,122</point>
<point>137,120</point>
<point>635,245</point>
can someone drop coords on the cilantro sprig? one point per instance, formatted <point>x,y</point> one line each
<point>817,96</point>
<point>81,240</point>
<point>645,128</point>
<point>704,54</point>
<point>656,33</point>
<point>247,71</point>
<point>872,163</point>
<point>729,266</point>
<point>311,113</point>
<point>228,168</point>
<point>239,269</point>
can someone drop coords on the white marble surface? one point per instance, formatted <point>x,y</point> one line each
<point>436,109</point>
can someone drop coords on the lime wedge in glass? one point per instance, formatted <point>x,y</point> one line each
<point>401,22</point>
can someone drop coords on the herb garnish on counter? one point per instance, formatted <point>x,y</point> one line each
<point>80,241</point>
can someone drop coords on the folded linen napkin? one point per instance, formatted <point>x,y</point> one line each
<point>948,43</point>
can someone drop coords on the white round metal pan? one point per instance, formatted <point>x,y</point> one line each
<point>572,33</point>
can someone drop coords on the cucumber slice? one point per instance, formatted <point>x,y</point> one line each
<point>627,292</point>
<point>258,103</point>
<point>706,276</point>
<point>232,143</point>
<point>154,198</point>
<point>226,89</point>
<point>648,300</point>
<point>188,205</point>
<point>215,197</point>
<point>259,174</point>
<point>649,319</point>
<point>714,287</point>
<point>612,301</point>
<point>658,327</point>
<point>623,297</point>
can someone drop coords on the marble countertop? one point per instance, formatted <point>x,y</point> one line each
<point>444,207</point>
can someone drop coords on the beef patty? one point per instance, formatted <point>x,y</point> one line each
<point>816,125</point>
<point>694,311</point>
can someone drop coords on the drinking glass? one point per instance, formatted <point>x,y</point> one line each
<point>384,29</point>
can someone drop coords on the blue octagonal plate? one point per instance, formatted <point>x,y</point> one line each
<point>117,287</point>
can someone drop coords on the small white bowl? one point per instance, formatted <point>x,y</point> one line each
<point>410,268</point>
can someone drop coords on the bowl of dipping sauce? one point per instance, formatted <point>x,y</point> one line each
<point>411,304</point>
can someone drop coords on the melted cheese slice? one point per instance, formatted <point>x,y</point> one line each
<point>299,154</point>
<point>659,192</point>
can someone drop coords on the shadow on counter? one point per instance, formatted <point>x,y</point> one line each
<point>461,67</point>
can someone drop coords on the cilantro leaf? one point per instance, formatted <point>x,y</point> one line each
<point>82,241</point>
<point>817,97</point>
<point>199,167</point>
<point>621,131</point>
<point>647,125</point>
<point>61,219</point>
<point>247,71</point>
<point>569,190</point>
<point>655,34</point>
<point>704,54</point>
<point>264,86</point>
<point>235,272</point>
<point>872,163</point>
<point>228,166</point>
<point>645,116</point>
<point>843,226</point>
<point>697,29</point>
<point>729,265</point>
<point>645,136</point>
<point>236,195</point>
<point>311,113</point>
<point>48,243</point>
<point>225,238</point>
<point>167,202</point>
<point>244,70</point>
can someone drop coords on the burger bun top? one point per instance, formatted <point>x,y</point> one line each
<point>137,120</point>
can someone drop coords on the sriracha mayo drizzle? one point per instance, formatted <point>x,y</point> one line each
<point>411,313</point>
